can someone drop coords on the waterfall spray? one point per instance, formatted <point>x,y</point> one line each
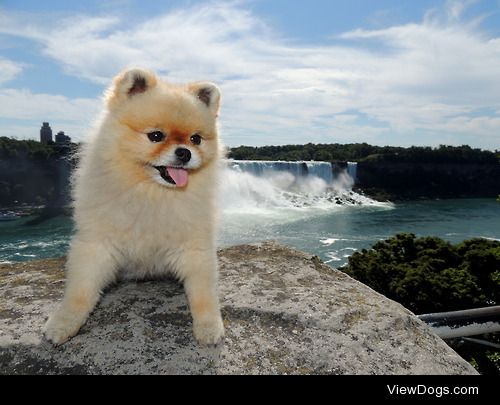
<point>267,185</point>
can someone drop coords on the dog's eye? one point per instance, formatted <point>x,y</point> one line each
<point>156,136</point>
<point>195,139</point>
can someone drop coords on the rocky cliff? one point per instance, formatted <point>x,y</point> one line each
<point>409,181</point>
<point>285,312</point>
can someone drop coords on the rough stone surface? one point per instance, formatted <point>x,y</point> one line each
<point>285,312</point>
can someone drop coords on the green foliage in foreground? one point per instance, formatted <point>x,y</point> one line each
<point>429,274</point>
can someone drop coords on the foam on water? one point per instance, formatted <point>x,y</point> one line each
<point>266,188</point>
<point>262,200</point>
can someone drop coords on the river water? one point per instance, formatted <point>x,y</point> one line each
<point>315,214</point>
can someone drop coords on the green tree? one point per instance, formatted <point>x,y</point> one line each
<point>363,151</point>
<point>429,275</point>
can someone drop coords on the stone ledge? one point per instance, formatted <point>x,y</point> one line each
<point>285,312</point>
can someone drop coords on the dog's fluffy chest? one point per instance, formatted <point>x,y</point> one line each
<point>148,234</point>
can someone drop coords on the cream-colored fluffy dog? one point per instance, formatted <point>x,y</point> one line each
<point>144,199</point>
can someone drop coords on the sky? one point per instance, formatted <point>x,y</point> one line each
<point>385,72</point>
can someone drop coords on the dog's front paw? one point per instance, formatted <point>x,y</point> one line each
<point>209,331</point>
<point>62,326</point>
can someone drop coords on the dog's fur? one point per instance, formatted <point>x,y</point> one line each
<point>130,220</point>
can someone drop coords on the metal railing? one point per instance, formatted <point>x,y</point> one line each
<point>462,324</point>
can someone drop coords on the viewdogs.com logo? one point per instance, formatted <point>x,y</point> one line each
<point>437,392</point>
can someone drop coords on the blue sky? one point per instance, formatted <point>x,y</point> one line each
<point>386,72</point>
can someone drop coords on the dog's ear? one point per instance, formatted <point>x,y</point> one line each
<point>208,94</point>
<point>128,84</point>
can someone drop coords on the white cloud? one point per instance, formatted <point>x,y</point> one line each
<point>9,70</point>
<point>427,76</point>
<point>452,12</point>
<point>74,116</point>
<point>23,104</point>
<point>456,8</point>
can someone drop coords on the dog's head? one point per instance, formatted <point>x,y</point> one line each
<point>163,133</point>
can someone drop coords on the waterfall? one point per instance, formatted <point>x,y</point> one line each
<point>300,170</point>
<point>328,172</point>
<point>322,170</point>
<point>352,171</point>
<point>266,185</point>
<point>262,168</point>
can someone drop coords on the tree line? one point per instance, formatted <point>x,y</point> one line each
<point>12,148</point>
<point>25,149</point>
<point>359,152</point>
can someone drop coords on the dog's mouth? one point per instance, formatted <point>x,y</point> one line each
<point>176,176</point>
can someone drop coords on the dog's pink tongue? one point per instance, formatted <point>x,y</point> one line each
<point>180,176</point>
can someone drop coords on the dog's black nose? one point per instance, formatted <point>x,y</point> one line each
<point>183,154</point>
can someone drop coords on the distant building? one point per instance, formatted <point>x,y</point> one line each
<point>62,139</point>
<point>46,133</point>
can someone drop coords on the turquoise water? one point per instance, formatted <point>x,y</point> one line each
<point>331,232</point>
<point>20,242</point>
<point>335,235</point>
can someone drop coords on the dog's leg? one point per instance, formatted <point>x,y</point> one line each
<point>90,268</point>
<point>200,283</point>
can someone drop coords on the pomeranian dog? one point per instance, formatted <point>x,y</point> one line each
<point>145,200</point>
